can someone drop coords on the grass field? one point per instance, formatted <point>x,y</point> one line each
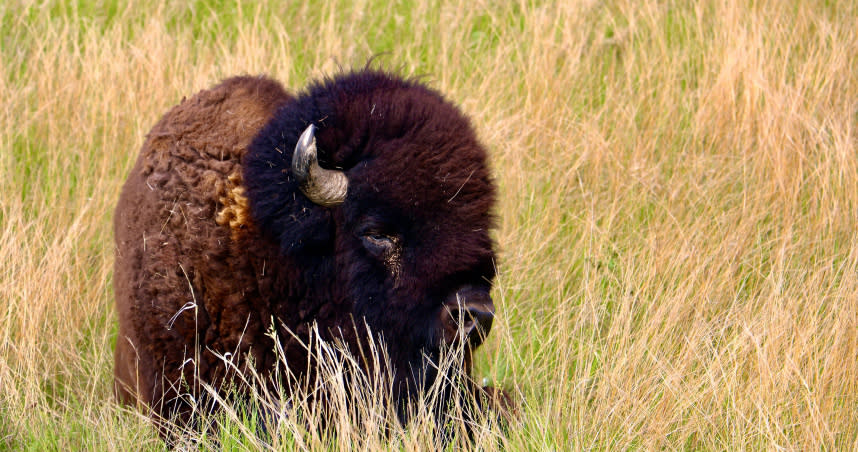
<point>678,216</point>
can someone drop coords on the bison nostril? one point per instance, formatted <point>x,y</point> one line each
<point>463,318</point>
<point>474,321</point>
<point>482,318</point>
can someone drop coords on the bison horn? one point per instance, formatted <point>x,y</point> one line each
<point>323,186</point>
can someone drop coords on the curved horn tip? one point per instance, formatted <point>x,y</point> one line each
<point>304,156</point>
<point>307,136</point>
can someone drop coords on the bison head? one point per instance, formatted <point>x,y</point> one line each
<point>377,190</point>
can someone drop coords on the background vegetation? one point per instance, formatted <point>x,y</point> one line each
<point>679,200</point>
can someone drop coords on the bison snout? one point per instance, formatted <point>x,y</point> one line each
<point>470,316</point>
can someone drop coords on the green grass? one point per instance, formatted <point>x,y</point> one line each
<point>677,214</point>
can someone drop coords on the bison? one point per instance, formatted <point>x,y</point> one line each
<point>362,204</point>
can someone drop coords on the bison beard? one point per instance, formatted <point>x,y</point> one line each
<point>383,223</point>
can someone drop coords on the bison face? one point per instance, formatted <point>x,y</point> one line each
<point>392,213</point>
<point>408,276</point>
<point>417,263</point>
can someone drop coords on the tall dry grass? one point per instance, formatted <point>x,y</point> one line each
<point>678,209</point>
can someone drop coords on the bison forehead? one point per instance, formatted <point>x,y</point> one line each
<point>431,196</point>
<point>422,188</point>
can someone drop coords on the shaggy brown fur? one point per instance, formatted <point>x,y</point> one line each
<point>181,280</point>
<point>214,238</point>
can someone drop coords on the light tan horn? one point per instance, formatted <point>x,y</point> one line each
<point>322,186</point>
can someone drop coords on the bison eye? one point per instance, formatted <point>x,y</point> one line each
<point>378,244</point>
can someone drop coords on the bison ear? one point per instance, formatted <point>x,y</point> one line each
<point>322,186</point>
